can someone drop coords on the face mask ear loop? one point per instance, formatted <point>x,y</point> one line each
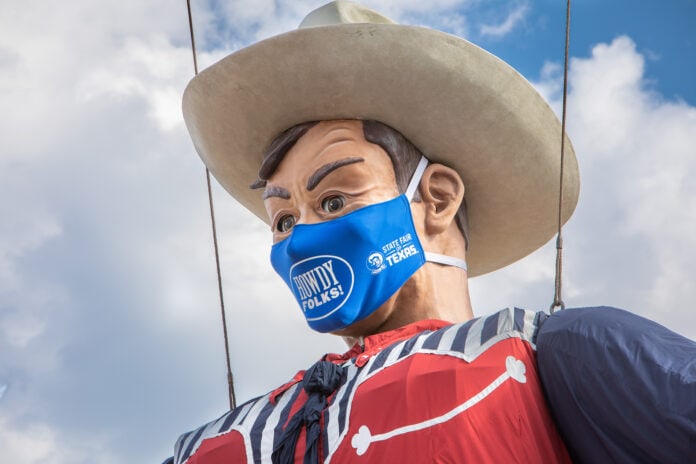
<point>446,260</point>
<point>410,191</point>
<point>416,178</point>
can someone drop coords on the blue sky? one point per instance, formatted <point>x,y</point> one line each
<point>663,32</point>
<point>110,339</point>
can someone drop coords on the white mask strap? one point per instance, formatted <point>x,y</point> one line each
<point>446,260</point>
<point>416,178</point>
<point>410,191</point>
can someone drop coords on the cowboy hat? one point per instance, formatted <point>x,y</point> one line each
<point>462,106</point>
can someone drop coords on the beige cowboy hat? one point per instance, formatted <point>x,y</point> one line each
<point>459,104</point>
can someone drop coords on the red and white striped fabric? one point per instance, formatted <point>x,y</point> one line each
<point>427,392</point>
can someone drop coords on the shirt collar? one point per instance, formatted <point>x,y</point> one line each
<point>368,346</point>
<point>364,349</point>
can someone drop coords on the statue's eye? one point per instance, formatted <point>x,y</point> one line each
<point>333,203</point>
<point>285,223</point>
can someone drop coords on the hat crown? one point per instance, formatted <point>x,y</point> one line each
<point>342,12</point>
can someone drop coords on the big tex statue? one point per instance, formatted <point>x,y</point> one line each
<point>393,163</point>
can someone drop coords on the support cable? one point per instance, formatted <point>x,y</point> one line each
<point>557,298</point>
<point>230,378</point>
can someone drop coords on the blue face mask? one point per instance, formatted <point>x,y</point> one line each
<point>342,270</point>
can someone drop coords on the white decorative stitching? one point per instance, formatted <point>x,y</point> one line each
<point>514,369</point>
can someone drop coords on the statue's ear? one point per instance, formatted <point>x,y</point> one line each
<point>442,192</point>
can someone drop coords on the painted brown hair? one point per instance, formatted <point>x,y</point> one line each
<point>403,154</point>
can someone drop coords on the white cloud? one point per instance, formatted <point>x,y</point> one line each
<point>241,22</point>
<point>40,443</point>
<point>149,68</point>
<point>514,17</point>
<point>84,175</point>
<point>23,235</point>
<point>631,242</point>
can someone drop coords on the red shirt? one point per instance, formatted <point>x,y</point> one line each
<point>427,392</point>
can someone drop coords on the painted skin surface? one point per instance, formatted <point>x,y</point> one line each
<point>331,171</point>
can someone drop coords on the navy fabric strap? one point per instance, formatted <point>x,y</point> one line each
<point>621,387</point>
<point>319,382</point>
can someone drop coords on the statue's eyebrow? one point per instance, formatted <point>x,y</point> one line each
<point>274,191</point>
<point>324,170</point>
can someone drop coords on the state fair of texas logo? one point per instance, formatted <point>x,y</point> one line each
<point>375,262</point>
<point>321,284</point>
<point>392,252</point>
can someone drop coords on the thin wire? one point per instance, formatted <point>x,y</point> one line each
<point>557,298</point>
<point>230,378</point>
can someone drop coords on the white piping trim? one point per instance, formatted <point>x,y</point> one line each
<point>514,369</point>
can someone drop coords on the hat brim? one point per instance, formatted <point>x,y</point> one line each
<point>459,104</point>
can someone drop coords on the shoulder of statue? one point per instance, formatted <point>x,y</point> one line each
<point>473,337</point>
